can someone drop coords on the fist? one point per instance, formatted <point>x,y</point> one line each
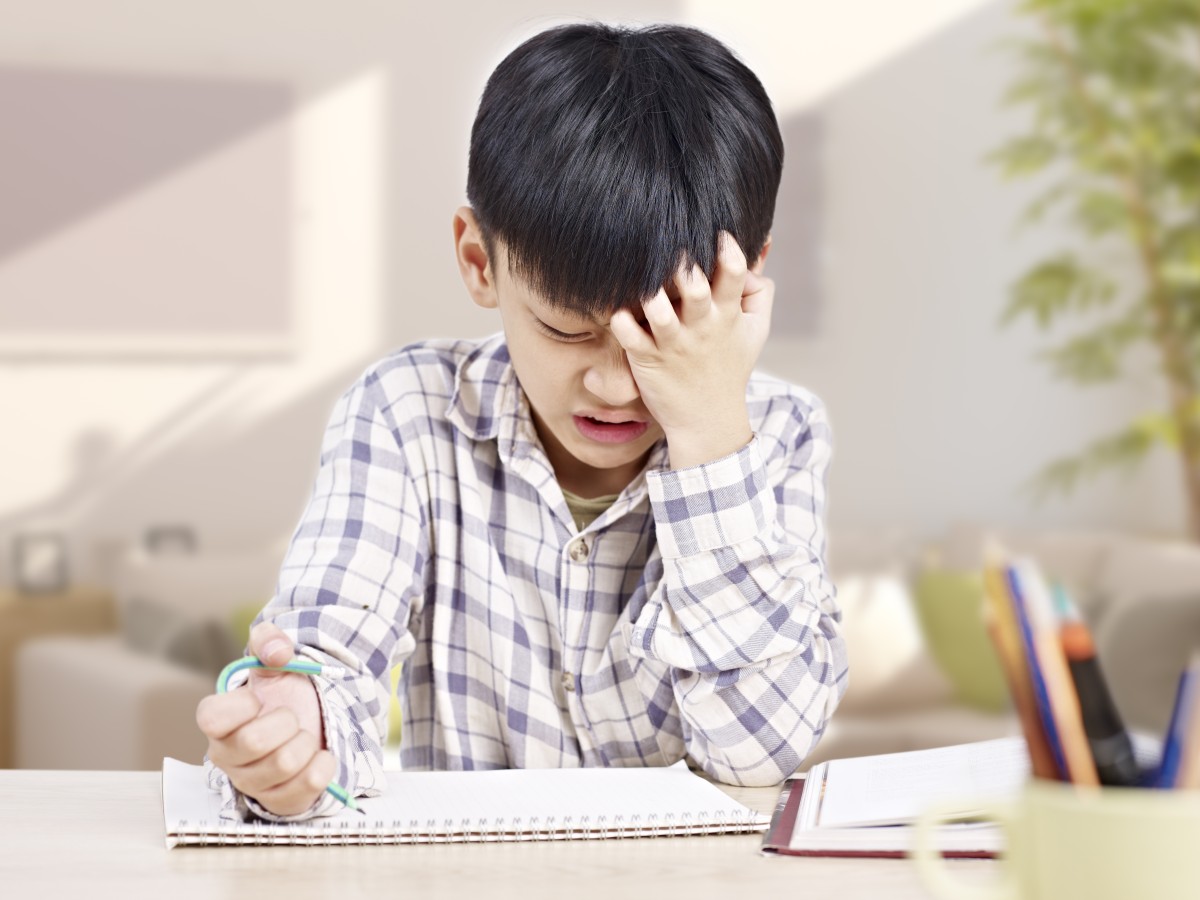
<point>267,735</point>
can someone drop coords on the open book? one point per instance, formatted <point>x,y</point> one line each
<point>499,805</point>
<point>864,806</point>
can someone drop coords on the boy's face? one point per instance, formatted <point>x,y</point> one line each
<point>585,403</point>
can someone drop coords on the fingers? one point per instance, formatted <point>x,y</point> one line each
<point>269,740</point>
<point>288,778</point>
<point>259,738</point>
<point>219,715</point>
<point>730,277</point>
<point>758,295</point>
<point>695,296</point>
<point>297,793</point>
<point>271,758</point>
<point>661,317</point>
<point>629,334</point>
<point>271,645</point>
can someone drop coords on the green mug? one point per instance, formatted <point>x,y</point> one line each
<point>1065,842</point>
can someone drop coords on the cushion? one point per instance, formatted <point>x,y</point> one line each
<point>1143,646</point>
<point>1074,559</point>
<point>395,715</point>
<point>950,607</point>
<point>1144,568</point>
<point>854,553</point>
<point>884,645</point>
<point>166,633</point>
<point>188,608</point>
<point>241,619</point>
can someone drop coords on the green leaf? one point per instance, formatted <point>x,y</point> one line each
<point>1096,356</point>
<point>1180,256</point>
<point>1041,206</point>
<point>1181,171</point>
<point>1054,287</point>
<point>1025,155</point>
<point>1102,212</point>
<point>1123,450</point>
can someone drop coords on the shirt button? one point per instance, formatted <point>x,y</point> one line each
<point>578,550</point>
<point>568,682</point>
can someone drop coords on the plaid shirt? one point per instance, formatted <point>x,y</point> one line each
<point>694,617</point>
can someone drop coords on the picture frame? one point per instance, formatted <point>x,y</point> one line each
<point>40,563</point>
<point>170,540</point>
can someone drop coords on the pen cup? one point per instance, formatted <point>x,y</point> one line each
<point>1063,841</point>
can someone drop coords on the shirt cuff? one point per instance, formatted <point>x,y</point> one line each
<point>712,505</point>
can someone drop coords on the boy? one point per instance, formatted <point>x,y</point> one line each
<point>597,538</point>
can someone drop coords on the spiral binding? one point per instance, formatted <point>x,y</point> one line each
<point>450,831</point>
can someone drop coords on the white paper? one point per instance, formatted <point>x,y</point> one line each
<point>507,804</point>
<point>895,788</point>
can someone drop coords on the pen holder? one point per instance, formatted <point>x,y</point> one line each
<point>1065,841</point>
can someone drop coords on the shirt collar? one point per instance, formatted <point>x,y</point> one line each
<point>488,401</point>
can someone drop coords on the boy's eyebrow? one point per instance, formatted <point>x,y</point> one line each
<point>543,305</point>
<point>638,315</point>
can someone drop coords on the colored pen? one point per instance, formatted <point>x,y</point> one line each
<point>301,667</point>
<point>1111,746</point>
<point>1187,699</point>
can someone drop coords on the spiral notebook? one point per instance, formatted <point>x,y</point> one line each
<point>488,806</point>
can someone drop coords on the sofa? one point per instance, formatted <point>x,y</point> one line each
<point>126,699</point>
<point>1140,596</point>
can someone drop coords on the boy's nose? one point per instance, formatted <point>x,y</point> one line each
<point>612,380</point>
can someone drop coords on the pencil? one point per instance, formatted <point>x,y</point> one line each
<point>1001,624</point>
<point>1061,715</point>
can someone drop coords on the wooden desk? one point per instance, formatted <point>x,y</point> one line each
<point>100,835</point>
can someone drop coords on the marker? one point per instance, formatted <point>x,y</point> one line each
<point>1111,747</point>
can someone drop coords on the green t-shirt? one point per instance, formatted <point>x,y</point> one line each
<point>584,511</point>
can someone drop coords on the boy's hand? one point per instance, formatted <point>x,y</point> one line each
<point>267,735</point>
<point>693,365</point>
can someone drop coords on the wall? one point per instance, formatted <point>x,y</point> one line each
<point>939,416</point>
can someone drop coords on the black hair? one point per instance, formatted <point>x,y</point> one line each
<point>603,157</point>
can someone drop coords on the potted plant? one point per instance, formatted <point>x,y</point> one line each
<point>1114,87</point>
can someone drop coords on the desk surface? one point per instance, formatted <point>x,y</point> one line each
<point>112,846</point>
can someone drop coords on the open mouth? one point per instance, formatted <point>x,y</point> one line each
<point>610,432</point>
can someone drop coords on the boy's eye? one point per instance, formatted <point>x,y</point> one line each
<point>556,334</point>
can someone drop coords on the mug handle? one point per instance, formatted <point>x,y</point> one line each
<point>929,860</point>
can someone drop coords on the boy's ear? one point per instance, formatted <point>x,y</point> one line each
<point>476,269</point>
<point>757,267</point>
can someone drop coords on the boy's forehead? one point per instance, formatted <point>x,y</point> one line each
<point>548,307</point>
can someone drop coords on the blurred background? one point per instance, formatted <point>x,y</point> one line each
<point>214,216</point>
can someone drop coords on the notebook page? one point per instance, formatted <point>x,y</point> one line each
<point>895,788</point>
<point>556,798</point>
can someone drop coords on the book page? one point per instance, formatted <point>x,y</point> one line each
<point>975,837</point>
<point>895,788</point>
